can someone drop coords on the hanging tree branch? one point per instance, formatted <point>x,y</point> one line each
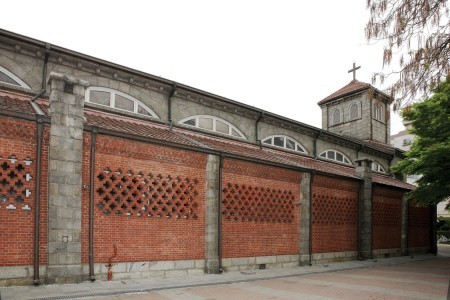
<point>423,27</point>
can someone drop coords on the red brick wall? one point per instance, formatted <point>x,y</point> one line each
<point>259,209</point>
<point>169,178</point>
<point>386,218</point>
<point>334,215</point>
<point>419,222</point>
<point>18,139</point>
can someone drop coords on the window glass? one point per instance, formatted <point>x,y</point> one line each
<point>336,117</point>
<point>278,141</point>
<point>324,154</point>
<point>124,103</point>
<point>268,141</point>
<point>222,127</point>
<point>235,133</point>
<point>331,155</point>
<point>100,97</point>
<point>353,111</point>
<point>346,161</point>
<point>190,122</point>
<point>339,157</point>
<point>5,78</point>
<point>290,144</point>
<point>142,111</point>
<point>205,123</point>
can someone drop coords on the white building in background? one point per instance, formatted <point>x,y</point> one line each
<point>403,140</point>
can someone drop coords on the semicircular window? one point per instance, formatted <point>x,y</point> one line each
<point>376,167</point>
<point>212,123</point>
<point>285,142</point>
<point>9,78</point>
<point>118,100</point>
<point>335,156</point>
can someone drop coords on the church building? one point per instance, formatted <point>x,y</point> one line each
<point>110,171</point>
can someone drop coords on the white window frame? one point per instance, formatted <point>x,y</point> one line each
<point>214,119</point>
<point>297,143</point>
<point>377,167</point>
<point>112,100</point>
<point>19,81</point>
<point>345,157</point>
<point>378,111</point>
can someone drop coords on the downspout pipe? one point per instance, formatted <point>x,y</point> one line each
<point>44,73</point>
<point>169,104</point>
<point>91,204</point>
<point>261,116</point>
<point>358,229</point>
<point>219,219</point>
<point>311,186</point>
<point>361,147</point>
<point>37,198</point>
<point>315,143</point>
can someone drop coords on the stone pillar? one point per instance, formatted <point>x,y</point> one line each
<point>364,171</point>
<point>212,215</point>
<point>404,232</point>
<point>65,164</point>
<point>304,230</point>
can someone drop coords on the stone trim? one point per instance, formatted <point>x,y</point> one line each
<point>260,262</point>
<point>384,253</point>
<point>323,258</point>
<point>146,269</point>
<point>19,275</point>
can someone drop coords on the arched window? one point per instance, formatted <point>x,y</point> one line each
<point>378,111</point>
<point>118,100</point>
<point>376,166</point>
<point>9,78</point>
<point>286,142</point>
<point>336,156</point>
<point>213,124</point>
<point>354,111</point>
<point>336,116</point>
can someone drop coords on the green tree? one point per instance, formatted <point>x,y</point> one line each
<point>417,33</point>
<point>430,153</point>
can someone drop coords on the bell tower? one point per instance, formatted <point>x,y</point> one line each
<point>357,110</point>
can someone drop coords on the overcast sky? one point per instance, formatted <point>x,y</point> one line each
<point>280,56</point>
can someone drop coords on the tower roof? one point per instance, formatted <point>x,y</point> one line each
<point>353,87</point>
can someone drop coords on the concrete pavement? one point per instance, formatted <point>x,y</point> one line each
<point>419,277</point>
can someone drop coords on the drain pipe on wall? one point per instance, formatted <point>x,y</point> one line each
<point>261,116</point>
<point>219,225</point>
<point>169,104</point>
<point>37,201</point>
<point>91,204</point>
<point>315,143</point>
<point>44,73</point>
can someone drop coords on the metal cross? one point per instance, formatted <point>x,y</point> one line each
<point>354,70</point>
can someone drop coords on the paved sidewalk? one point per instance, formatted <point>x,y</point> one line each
<point>105,288</point>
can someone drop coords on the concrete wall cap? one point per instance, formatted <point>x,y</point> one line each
<point>67,78</point>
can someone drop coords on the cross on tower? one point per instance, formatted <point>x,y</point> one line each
<point>354,70</point>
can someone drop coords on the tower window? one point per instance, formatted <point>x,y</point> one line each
<point>378,111</point>
<point>354,111</point>
<point>336,116</point>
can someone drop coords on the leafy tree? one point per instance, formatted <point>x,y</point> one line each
<point>430,152</point>
<point>418,33</point>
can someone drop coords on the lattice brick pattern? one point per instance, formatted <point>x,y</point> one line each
<point>15,176</point>
<point>126,193</point>
<point>386,213</point>
<point>419,216</point>
<point>332,210</point>
<point>248,203</point>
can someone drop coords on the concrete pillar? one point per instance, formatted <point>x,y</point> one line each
<point>65,164</point>
<point>305,208</point>
<point>212,215</point>
<point>404,232</point>
<point>364,171</point>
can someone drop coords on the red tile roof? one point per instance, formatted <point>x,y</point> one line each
<point>16,105</point>
<point>181,136</point>
<point>353,87</point>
